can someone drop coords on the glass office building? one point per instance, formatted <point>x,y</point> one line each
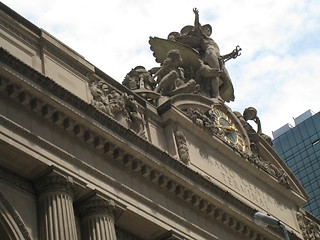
<point>299,147</point>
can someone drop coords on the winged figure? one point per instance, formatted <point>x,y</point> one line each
<point>194,67</point>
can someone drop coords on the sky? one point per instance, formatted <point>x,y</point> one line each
<point>278,71</point>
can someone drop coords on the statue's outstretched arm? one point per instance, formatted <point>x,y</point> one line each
<point>196,18</point>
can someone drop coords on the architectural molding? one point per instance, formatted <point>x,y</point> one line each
<point>27,37</point>
<point>14,179</point>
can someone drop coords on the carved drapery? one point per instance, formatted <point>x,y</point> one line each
<point>97,219</point>
<point>55,207</point>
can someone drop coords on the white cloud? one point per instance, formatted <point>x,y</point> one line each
<point>278,71</point>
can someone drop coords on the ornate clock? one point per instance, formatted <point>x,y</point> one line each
<point>228,130</point>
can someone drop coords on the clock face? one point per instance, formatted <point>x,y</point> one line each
<point>227,129</point>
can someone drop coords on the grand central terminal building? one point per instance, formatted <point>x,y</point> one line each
<point>159,157</point>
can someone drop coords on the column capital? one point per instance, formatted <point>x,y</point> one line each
<point>54,180</point>
<point>97,203</point>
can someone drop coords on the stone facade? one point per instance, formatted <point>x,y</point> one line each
<point>84,157</point>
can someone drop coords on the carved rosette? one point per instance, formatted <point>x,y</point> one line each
<point>97,219</point>
<point>182,146</point>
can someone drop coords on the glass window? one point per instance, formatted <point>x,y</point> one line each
<point>297,134</point>
<point>303,131</point>
<point>310,126</point>
<point>291,139</point>
<point>277,146</point>
<point>316,121</point>
<point>304,154</point>
<point>316,145</point>
<point>309,170</point>
<point>301,146</point>
<point>285,144</point>
<point>288,154</point>
<point>310,151</point>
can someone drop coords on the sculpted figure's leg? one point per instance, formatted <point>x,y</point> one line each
<point>212,59</point>
<point>215,87</point>
<point>166,82</point>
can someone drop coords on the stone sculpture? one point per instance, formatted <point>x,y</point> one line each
<point>190,63</point>
<point>120,106</point>
<point>99,91</point>
<point>140,81</point>
<point>201,59</point>
<point>171,80</point>
<point>250,113</point>
<point>309,228</point>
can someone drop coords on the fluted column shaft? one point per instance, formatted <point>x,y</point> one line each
<point>55,208</point>
<point>97,220</point>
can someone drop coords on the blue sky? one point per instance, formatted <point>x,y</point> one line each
<point>278,71</point>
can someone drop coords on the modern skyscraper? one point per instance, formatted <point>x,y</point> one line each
<point>299,147</point>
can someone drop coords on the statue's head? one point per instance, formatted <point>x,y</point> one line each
<point>172,36</point>
<point>250,113</point>
<point>174,54</point>
<point>207,29</point>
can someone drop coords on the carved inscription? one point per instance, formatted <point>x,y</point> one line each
<point>242,186</point>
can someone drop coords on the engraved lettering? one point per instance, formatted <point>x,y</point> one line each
<point>238,183</point>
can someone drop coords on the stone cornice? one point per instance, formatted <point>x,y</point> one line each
<point>30,38</point>
<point>143,168</point>
<point>65,58</point>
<point>8,11</point>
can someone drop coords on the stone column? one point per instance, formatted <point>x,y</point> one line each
<point>97,219</point>
<point>55,207</point>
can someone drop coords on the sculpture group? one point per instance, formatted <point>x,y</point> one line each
<point>190,62</point>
